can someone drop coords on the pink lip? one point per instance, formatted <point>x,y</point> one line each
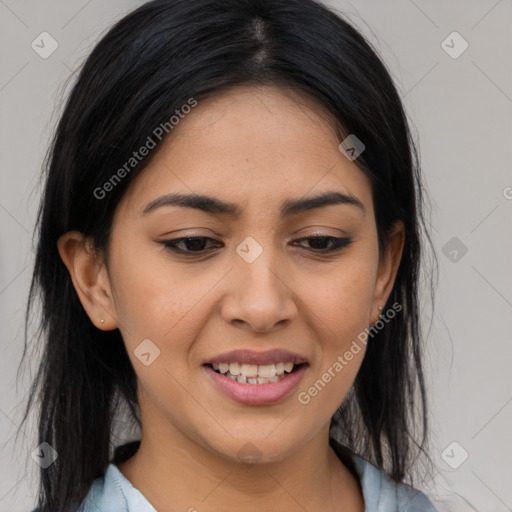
<point>257,394</point>
<point>251,357</point>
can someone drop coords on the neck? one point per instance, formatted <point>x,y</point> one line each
<point>180,474</point>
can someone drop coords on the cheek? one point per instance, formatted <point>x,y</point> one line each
<point>341,306</point>
<point>339,356</point>
<point>342,299</point>
<point>155,301</point>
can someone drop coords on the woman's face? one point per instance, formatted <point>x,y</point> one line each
<point>250,280</point>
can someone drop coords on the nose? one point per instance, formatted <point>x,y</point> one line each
<point>260,298</point>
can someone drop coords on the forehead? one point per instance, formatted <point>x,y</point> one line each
<point>258,145</point>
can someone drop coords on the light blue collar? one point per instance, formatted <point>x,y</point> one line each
<point>114,493</point>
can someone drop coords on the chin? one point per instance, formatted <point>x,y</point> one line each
<point>255,450</point>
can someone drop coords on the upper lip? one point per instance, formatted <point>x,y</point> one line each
<point>251,357</point>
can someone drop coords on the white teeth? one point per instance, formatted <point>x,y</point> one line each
<point>253,373</point>
<point>254,380</point>
<point>254,370</point>
<point>249,370</point>
<point>288,367</point>
<point>267,370</point>
<point>234,368</point>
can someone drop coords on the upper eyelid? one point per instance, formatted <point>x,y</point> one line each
<point>344,241</point>
<point>318,231</point>
<point>304,237</point>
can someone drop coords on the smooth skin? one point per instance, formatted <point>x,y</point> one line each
<point>255,146</point>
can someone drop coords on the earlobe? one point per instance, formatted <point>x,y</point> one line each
<point>89,278</point>
<point>390,262</point>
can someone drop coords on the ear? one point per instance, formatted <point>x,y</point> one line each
<point>388,266</point>
<point>90,278</point>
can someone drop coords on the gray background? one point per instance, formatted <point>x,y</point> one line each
<point>460,109</point>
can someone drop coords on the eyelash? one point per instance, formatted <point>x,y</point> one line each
<point>338,245</point>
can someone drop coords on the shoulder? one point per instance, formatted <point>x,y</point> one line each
<point>108,493</point>
<point>114,493</point>
<point>382,494</point>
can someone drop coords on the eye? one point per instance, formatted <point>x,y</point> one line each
<point>192,244</point>
<point>196,246</point>
<point>336,244</point>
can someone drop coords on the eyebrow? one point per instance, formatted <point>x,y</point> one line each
<point>289,207</point>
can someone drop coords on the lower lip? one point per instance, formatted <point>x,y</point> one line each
<point>257,394</point>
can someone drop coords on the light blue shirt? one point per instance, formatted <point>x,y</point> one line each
<point>114,493</point>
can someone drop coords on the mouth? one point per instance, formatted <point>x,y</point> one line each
<point>253,374</point>
<point>252,378</point>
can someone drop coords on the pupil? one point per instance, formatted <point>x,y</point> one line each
<point>195,242</point>
<point>318,242</point>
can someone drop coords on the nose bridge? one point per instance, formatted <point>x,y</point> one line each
<point>256,264</point>
<point>259,297</point>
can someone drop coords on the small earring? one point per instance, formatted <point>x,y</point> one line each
<point>102,321</point>
<point>380,309</point>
